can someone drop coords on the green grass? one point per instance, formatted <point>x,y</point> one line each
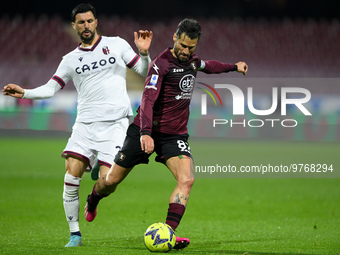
<point>271,216</point>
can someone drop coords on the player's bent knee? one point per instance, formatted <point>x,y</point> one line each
<point>116,175</point>
<point>190,182</point>
<point>187,182</point>
<point>110,182</point>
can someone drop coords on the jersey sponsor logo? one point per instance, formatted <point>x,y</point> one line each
<point>95,65</point>
<point>183,96</point>
<point>186,85</point>
<point>178,70</point>
<point>80,59</point>
<point>187,82</point>
<point>106,50</point>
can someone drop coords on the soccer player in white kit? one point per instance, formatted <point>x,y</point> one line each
<point>97,68</point>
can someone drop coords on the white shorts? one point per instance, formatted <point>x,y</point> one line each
<point>97,140</point>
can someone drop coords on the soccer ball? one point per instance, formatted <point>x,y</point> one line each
<point>159,237</point>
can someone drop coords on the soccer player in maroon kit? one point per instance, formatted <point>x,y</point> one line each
<point>161,123</point>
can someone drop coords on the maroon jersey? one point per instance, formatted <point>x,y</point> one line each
<point>168,90</point>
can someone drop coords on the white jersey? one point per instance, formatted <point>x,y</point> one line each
<point>99,75</point>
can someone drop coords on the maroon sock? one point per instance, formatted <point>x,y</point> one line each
<point>175,213</point>
<point>94,199</point>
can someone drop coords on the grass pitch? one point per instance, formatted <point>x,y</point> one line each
<point>271,216</point>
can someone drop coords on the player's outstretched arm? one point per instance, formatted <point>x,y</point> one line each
<point>41,92</point>
<point>242,67</point>
<point>143,42</point>
<point>13,91</point>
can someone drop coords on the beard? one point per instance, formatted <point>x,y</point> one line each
<point>86,40</point>
<point>180,57</point>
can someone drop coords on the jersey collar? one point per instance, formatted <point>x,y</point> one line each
<point>93,47</point>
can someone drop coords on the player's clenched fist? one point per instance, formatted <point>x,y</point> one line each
<point>242,67</point>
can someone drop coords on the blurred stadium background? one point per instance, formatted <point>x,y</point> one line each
<point>277,38</point>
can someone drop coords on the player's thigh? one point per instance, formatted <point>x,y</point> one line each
<point>103,170</point>
<point>167,146</point>
<point>80,144</point>
<point>75,166</point>
<point>174,152</point>
<point>117,174</point>
<point>131,153</point>
<point>110,140</point>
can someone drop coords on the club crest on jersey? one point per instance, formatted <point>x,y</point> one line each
<point>106,50</point>
<point>193,65</point>
<point>121,156</point>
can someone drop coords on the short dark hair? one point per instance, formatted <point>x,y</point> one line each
<point>82,8</point>
<point>190,27</point>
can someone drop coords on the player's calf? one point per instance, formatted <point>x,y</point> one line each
<point>93,199</point>
<point>90,213</point>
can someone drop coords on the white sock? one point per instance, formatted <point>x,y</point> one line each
<point>71,201</point>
